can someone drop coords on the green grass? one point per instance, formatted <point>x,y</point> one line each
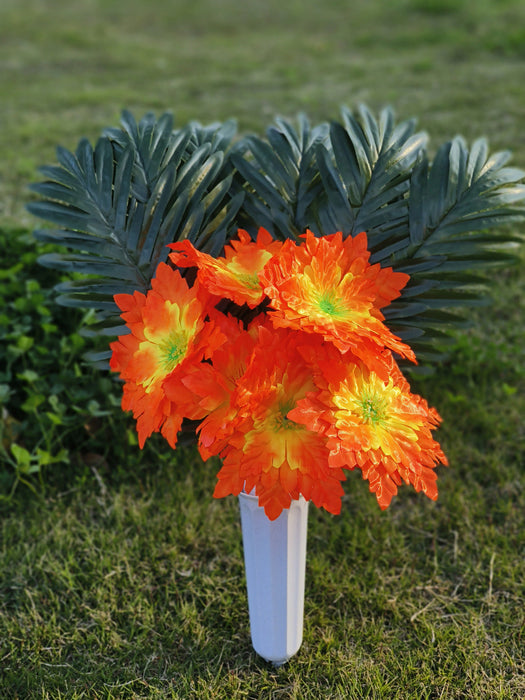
<point>120,576</point>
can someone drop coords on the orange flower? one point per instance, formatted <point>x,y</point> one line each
<point>212,385</point>
<point>168,334</point>
<point>266,450</point>
<point>234,276</point>
<point>327,286</point>
<point>375,424</point>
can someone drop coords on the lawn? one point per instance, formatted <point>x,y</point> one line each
<point>120,575</point>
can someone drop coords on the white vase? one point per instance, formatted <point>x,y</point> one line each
<point>275,560</point>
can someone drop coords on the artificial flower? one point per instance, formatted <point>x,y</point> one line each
<point>327,286</point>
<point>375,424</point>
<point>212,385</point>
<point>266,451</point>
<point>169,333</point>
<point>235,275</point>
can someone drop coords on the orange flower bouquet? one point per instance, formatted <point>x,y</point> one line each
<point>307,388</point>
<point>273,295</point>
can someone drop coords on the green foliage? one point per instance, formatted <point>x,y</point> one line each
<point>119,204</point>
<point>55,410</point>
<point>281,177</point>
<point>146,185</point>
<point>452,204</point>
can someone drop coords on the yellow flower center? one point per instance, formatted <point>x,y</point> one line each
<point>371,403</point>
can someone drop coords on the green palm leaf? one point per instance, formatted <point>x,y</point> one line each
<point>117,206</point>
<point>452,204</point>
<point>366,174</point>
<point>430,220</point>
<point>280,178</point>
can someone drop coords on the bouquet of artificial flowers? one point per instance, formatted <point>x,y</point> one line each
<point>307,388</point>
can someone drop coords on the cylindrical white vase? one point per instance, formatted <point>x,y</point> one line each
<point>275,560</point>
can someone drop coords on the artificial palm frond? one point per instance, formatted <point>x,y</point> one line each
<point>281,178</point>
<point>218,134</point>
<point>427,219</point>
<point>452,204</point>
<point>118,205</point>
<point>366,173</point>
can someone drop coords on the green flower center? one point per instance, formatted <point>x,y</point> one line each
<point>173,349</point>
<point>249,281</point>
<point>373,409</point>
<point>281,422</point>
<point>330,305</point>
